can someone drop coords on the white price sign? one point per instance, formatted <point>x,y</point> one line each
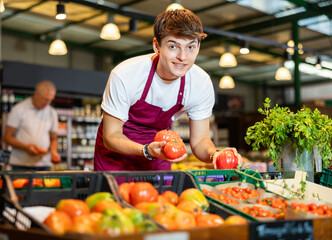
<point>168,236</point>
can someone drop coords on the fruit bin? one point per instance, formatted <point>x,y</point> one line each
<point>216,177</point>
<point>76,185</point>
<point>326,179</point>
<point>176,181</point>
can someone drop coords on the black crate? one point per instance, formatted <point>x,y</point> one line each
<point>76,185</point>
<point>176,181</point>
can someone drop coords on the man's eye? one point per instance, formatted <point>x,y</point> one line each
<point>172,47</point>
<point>191,47</point>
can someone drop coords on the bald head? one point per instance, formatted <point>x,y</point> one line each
<point>44,94</point>
<point>45,86</point>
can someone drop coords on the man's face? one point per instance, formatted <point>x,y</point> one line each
<point>43,99</point>
<point>176,56</point>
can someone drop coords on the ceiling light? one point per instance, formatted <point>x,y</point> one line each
<point>291,46</point>
<point>110,31</point>
<point>244,47</point>
<point>283,74</point>
<point>227,59</point>
<point>226,82</point>
<point>319,63</point>
<point>175,5</point>
<point>60,11</point>
<point>58,47</point>
<point>300,47</point>
<point>2,6</point>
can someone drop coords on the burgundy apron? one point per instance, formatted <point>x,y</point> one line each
<point>144,121</point>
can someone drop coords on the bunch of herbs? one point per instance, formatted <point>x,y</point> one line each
<point>302,130</point>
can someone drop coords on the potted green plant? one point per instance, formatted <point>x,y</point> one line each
<point>303,132</point>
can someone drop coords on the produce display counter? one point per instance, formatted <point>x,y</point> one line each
<point>322,230</point>
<point>79,185</point>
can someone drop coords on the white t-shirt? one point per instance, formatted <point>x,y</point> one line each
<point>33,126</point>
<point>127,81</point>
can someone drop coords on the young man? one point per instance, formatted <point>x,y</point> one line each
<point>32,131</point>
<point>146,93</point>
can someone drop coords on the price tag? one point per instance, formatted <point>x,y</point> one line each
<point>282,230</point>
<point>168,236</point>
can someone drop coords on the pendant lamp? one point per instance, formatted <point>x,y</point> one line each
<point>58,47</point>
<point>283,74</point>
<point>2,6</point>
<point>60,11</point>
<point>226,82</point>
<point>319,63</point>
<point>175,5</point>
<point>244,47</point>
<point>227,59</point>
<point>110,31</point>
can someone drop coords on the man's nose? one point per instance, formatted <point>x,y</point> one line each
<point>182,54</point>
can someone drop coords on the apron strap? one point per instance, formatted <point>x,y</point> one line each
<point>181,91</point>
<point>150,78</point>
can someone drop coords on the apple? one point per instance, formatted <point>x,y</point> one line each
<point>226,160</point>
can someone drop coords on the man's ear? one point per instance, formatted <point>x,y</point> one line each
<point>156,47</point>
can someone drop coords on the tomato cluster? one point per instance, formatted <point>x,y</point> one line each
<point>174,147</point>
<point>98,214</point>
<point>313,208</point>
<point>220,197</point>
<point>178,212</point>
<point>257,211</point>
<point>240,193</point>
<point>277,203</point>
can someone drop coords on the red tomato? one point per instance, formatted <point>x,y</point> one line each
<point>209,220</point>
<point>184,220</point>
<point>59,222</point>
<point>104,204</point>
<point>175,148</point>
<point>52,182</point>
<point>143,192</point>
<point>37,182</point>
<point>20,183</point>
<point>86,223</point>
<point>124,189</point>
<point>73,207</point>
<point>190,207</point>
<point>166,135</point>
<point>226,160</point>
<point>172,197</point>
<point>165,221</point>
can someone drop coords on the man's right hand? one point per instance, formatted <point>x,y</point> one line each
<point>156,150</point>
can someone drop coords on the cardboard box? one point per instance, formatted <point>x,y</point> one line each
<point>311,189</point>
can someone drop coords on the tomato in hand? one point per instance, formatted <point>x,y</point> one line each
<point>226,160</point>
<point>166,135</point>
<point>143,192</point>
<point>174,149</point>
